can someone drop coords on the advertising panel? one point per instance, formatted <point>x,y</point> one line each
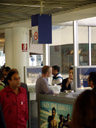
<point>55,115</point>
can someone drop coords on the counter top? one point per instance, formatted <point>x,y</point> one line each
<point>62,97</point>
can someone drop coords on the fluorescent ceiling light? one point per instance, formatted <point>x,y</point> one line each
<point>26,5</point>
<point>21,5</point>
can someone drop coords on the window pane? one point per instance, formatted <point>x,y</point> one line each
<point>93,45</point>
<point>83,45</point>
<point>61,49</point>
<point>62,55</point>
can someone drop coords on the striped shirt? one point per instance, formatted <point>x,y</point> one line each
<point>57,79</point>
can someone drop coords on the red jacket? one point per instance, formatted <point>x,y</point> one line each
<point>15,107</point>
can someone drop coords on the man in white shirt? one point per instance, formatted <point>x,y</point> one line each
<point>57,77</point>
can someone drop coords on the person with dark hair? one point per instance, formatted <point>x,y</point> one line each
<point>92,80</point>
<point>13,100</point>
<point>52,123</point>
<point>42,82</point>
<point>61,124</point>
<point>84,111</point>
<point>2,121</point>
<point>5,72</point>
<point>67,84</point>
<point>67,122</point>
<point>1,81</point>
<point>57,78</point>
<point>68,117</point>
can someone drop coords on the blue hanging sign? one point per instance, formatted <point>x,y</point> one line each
<point>43,29</point>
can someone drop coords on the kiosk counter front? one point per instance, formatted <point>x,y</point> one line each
<point>62,103</point>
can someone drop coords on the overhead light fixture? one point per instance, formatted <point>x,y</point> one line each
<point>71,52</point>
<point>21,5</point>
<point>27,5</point>
<point>80,50</point>
<point>2,40</point>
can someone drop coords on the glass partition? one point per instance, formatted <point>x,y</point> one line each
<point>82,73</point>
<point>61,50</point>
<point>83,45</point>
<point>64,54</point>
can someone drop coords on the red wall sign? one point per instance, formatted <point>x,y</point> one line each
<point>24,47</point>
<point>36,36</point>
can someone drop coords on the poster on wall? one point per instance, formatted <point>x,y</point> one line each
<point>82,75</point>
<point>55,115</point>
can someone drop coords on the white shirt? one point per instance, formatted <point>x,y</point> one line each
<point>57,79</point>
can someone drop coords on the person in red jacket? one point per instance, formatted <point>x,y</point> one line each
<point>13,100</point>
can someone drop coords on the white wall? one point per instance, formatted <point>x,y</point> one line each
<point>36,48</point>
<point>93,34</point>
<point>82,34</point>
<point>64,35</point>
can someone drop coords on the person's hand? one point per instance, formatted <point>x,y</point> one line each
<point>55,94</point>
<point>69,81</point>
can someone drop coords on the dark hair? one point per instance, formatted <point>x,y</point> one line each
<point>60,117</point>
<point>45,69</point>
<point>92,77</point>
<point>71,68</point>
<point>53,109</point>
<point>84,112</point>
<point>68,115</point>
<point>11,73</point>
<point>1,76</point>
<point>7,69</point>
<point>55,67</point>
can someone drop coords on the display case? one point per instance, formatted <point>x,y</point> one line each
<point>81,75</point>
<point>31,74</point>
<point>30,77</point>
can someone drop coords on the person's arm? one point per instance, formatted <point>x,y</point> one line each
<point>64,86</point>
<point>59,80</point>
<point>46,88</point>
<point>26,103</point>
<point>68,84</point>
<point>24,85</point>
